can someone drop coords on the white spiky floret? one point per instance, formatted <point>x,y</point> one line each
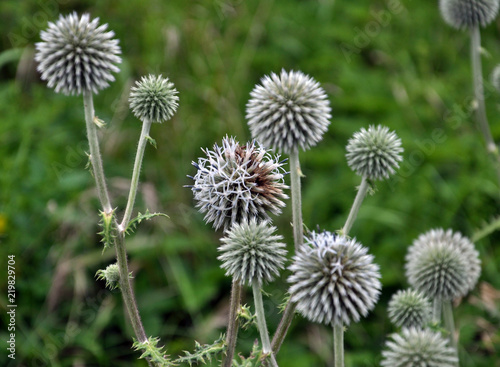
<point>334,280</point>
<point>374,153</point>
<point>154,98</point>
<point>77,54</point>
<point>288,111</point>
<point>251,251</point>
<point>462,247</point>
<point>409,308</point>
<point>234,183</point>
<point>461,14</point>
<point>413,347</point>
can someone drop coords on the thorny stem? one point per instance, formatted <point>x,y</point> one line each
<point>143,140</point>
<point>338,344</point>
<point>449,324</point>
<point>261,322</point>
<point>121,253</point>
<point>363,189</point>
<point>232,327</point>
<point>477,77</point>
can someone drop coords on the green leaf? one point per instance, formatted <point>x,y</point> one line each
<point>140,217</point>
<point>153,353</point>
<point>204,353</point>
<point>108,232</point>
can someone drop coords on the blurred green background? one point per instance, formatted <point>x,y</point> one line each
<point>381,62</point>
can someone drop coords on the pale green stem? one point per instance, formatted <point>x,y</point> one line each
<point>362,190</point>
<point>449,324</point>
<point>295,174</point>
<point>121,253</point>
<point>436,309</point>
<point>283,326</point>
<point>95,154</point>
<point>143,141</point>
<point>261,322</point>
<point>232,327</point>
<point>338,344</point>
<point>477,77</point>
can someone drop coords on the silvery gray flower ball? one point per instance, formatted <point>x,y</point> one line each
<point>414,347</point>
<point>334,280</point>
<point>77,54</point>
<point>288,111</point>
<point>409,308</point>
<point>374,153</point>
<point>234,183</point>
<point>461,244</point>
<point>461,14</point>
<point>154,98</point>
<point>251,251</point>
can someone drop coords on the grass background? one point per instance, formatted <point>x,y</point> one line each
<point>381,62</point>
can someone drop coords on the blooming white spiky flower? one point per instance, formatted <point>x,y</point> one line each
<point>288,111</point>
<point>461,244</point>
<point>334,280</point>
<point>409,308</point>
<point>414,347</point>
<point>154,98</point>
<point>462,14</point>
<point>237,182</point>
<point>251,251</point>
<point>77,54</point>
<point>374,153</point>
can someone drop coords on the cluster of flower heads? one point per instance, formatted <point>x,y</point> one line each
<point>235,183</point>
<point>443,264</point>
<point>334,280</point>
<point>251,251</point>
<point>461,14</point>
<point>374,153</point>
<point>77,54</point>
<point>288,111</point>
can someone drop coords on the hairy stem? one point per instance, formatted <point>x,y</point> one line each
<point>449,324</point>
<point>95,153</point>
<point>232,327</point>
<point>363,189</point>
<point>436,309</point>
<point>295,173</point>
<point>143,140</point>
<point>283,327</point>
<point>261,322</point>
<point>477,78</point>
<point>338,345</point>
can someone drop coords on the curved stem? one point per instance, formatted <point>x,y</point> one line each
<point>283,327</point>
<point>449,324</point>
<point>338,345</point>
<point>295,173</point>
<point>477,78</point>
<point>232,327</point>
<point>362,190</point>
<point>261,322</point>
<point>143,140</point>
<point>95,154</point>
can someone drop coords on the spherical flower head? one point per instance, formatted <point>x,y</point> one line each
<point>495,78</point>
<point>77,54</point>
<point>251,252</point>
<point>235,183</point>
<point>288,111</point>
<point>154,99</point>
<point>410,308</point>
<point>461,244</point>
<point>374,153</point>
<point>334,280</point>
<point>414,347</point>
<point>461,14</point>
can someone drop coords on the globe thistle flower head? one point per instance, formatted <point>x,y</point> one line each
<point>461,14</point>
<point>111,275</point>
<point>374,153</point>
<point>409,308</point>
<point>235,183</point>
<point>414,347</point>
<point>154,98</point>
<point>288,111</point>
<point>77,54</point>
<point>251,251</point>
<point>460,244</point>
<point>334,280</point>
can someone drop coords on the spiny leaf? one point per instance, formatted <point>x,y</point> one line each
<point>254,360</point>
<point>487,229</point>
<point>246,317</point>
<point>140,217</point>
<point>108,232</point>
<point>153,353</point>
<point>204,353</point>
